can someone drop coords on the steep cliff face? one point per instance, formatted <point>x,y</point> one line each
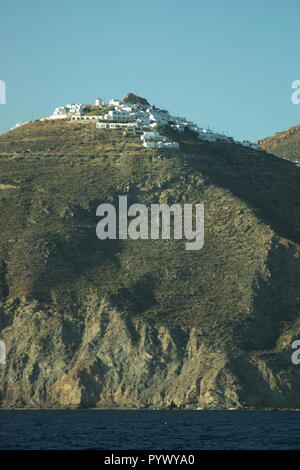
<point>103,358</point>
<point>144,323</point>
<point>283,144</point>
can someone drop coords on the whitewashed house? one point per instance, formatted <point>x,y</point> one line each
<point>128,109</point>
<point>153,139</point>
<point>160,144</point>
<point>62,112</point>
<point>151,135</point>
<point>159,117</point>
<point>115,102</point>
<point>86,118</point>
<point>75,108</point>
<point>118,115</point>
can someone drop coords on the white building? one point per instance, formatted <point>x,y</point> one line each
<point>118,115</point>
<point>151,136</point>
<point>86,118</point>
<point>115,102</point>
<point>153,139</point>
<point>160,144</point>
<point>62,112</point>
<point>159,117</point>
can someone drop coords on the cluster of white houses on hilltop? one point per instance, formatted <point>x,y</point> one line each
<point>139,119</point>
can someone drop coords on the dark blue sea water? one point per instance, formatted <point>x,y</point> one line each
<point>162,430</point>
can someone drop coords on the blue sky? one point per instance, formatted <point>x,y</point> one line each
<point>227,64</point>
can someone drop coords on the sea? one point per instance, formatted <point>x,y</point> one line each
<point>149,430</point>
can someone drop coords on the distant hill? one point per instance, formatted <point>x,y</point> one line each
<point>283,144</point>
<point>124,323</point>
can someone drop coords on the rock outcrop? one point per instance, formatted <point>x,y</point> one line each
<point>134,99</point>
<point>283,144</point>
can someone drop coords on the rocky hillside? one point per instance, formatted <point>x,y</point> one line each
<point>124,323</point>
<point>283,144</point>
<point>134,99</point>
